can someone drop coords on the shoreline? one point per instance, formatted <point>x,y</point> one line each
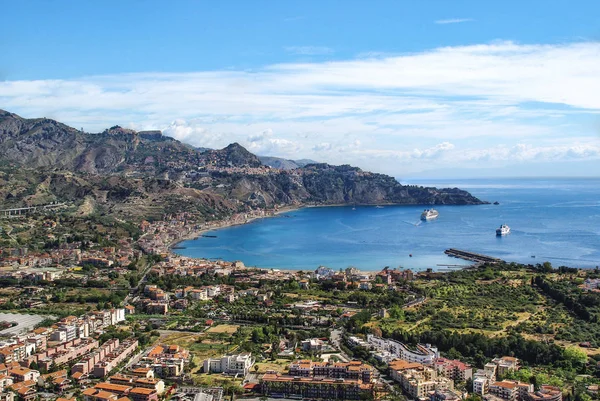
<point>274,213</point>
<point>285,209</point>
<point>225,224</point>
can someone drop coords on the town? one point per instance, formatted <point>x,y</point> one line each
<point>121,317</point>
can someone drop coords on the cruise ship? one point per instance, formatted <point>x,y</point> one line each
<point>503,230</point>
<point>429,214</point>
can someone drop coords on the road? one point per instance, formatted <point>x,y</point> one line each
<point>134,290</point>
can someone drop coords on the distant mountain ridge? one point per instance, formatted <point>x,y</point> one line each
<point>284,164</point>
<point>226,180</point>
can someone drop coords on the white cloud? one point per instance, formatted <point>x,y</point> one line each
<point>453,21</point>
<point>322,147</point>
<point>525,152</point>
<point>391,113</point>
<point>191,133</point>
<point>264,135</point>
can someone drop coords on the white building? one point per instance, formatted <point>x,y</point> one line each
<point>357,342</point>
<point>313,344</point>
<point>324,272</point>
<point>481,385</point>
<point>230,364</point>
<point>425,354</point>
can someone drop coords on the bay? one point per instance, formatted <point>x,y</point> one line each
<point>555,220</point>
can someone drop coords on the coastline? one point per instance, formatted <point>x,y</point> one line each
<point>272,213</point>
<point>217,225</point>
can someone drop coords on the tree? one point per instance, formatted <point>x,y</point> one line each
<point>576,356</point>
<point>397,313</point>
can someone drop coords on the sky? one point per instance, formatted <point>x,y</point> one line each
<point>440,89</point>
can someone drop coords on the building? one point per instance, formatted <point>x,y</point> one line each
<point>481,385</point>
<point>154,384</point>
<point>546,393</point>
<point>417,379</point>
<point>445,395</point>
<point>423,353</point>
<point>308,379</point>
<point>92,394</point>
<point>312,345</point>
<point>143,394</point>
<point>323,272</point>
<point>115,357</point>
<point>230,364</point>
<point>510,390</point>
<point>280,386</point>
<point>20,374</point>
<point>163,360</point>
<point>505,364</point>
<point>453,369</point>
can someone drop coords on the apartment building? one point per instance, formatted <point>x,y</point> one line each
<point>231,364</point>
<point>86,364</point>
<point>308,379</point>
<point>164,360</point>
<point>20,374</point>
<point>115,357</point>
<point>417,379</point>
<point>280,386</point>
<point>505,364</point>
<point>64,333</point>
<point>5,382</point>
<point>481,385</point>
<point>155,384</point>
<point>422,353</point>
<point>66,353</point>
<point>510,390</point>
<point>545,393</point>
<point>453,369</point>
<point>143,394</point>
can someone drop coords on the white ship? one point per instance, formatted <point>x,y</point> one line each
<point>503,230</point>
<point>429,214</point>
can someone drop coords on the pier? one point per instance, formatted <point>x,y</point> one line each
<point>471,256</point>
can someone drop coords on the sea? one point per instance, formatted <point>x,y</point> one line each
<point>554,220</point>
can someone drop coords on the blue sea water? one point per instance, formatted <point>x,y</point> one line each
<point>555,220</point>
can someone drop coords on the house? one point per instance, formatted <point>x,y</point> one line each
<point>312,345</point>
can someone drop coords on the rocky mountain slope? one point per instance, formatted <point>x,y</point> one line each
<point>137,174</point>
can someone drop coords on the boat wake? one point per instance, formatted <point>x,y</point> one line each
<point>417,224</point>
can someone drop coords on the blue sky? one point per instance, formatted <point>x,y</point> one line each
<point>428,88</point>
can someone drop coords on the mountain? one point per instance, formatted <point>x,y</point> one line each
<point>140,174</point>
<point>325,184</point>
<point>45,143</point>
<point>284,164</point>
<point>234,155</point>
